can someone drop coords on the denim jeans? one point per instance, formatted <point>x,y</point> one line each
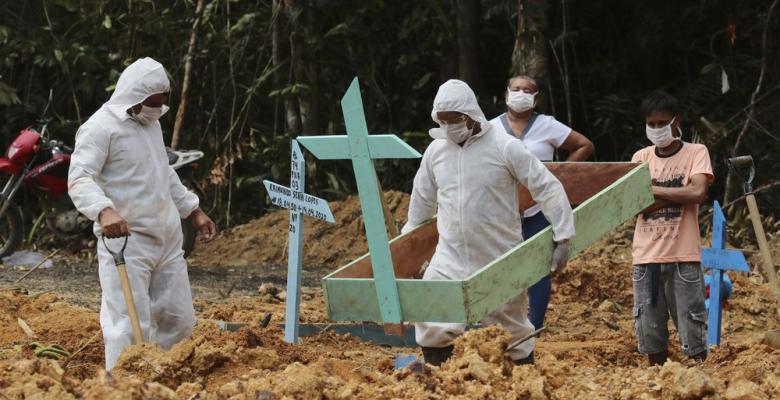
<point>539,292</point>
<point>680,293</point>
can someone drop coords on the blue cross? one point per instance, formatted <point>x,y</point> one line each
<point>719,259</point>
<point>300,204</point>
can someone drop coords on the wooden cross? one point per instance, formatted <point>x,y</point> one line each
<point>300,204</point>
<point>361,148</point>
<point>719,259</point>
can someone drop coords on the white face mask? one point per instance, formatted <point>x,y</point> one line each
<point>660,137</point>
<point>148,115</point>
<point>520,101</point>
<point>457,133</point>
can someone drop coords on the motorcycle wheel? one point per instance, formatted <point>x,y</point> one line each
<point>10,230</point>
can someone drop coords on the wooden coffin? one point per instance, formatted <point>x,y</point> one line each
<point>606,195</point>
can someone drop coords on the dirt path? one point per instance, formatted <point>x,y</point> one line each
<point>76,281</point>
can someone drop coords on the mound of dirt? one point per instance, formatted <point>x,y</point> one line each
<point>263,241</point>
<point>602,272</point>
<point>53,322</point>
<point>587,351</point>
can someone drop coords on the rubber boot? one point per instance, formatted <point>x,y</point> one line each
<point>529,360</point>
<point>658,358</point>
<point>437,355</point>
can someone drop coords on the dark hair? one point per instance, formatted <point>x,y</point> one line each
<point>523,77</point>
<point>660,100</point>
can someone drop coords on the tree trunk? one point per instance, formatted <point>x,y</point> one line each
<point>185,86</point>
<point>291,100</point>
<point>308,101</point>
<point>291,105</point>
<point>529,56</point>
<point>276,58</point>
<point>468,47</point>
<point>306,72</point>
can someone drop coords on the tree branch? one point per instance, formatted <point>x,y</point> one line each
<point>185,87</point>
<point>753,97</point>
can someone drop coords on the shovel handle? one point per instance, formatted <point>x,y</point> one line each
<point>763,246</point>
<point>119,257</point>
<point>124,280</point>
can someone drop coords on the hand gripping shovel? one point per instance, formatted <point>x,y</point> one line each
<point>121,268</point>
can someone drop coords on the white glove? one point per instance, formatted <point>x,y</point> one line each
<point>560,255</point>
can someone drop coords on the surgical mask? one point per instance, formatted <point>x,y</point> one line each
<point>457,133</point>
<point>660,137</point>
<point>148,115</point>
<point>520,101</point>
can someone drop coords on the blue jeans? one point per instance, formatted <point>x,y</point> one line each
<point>539,293</point>
<point>678,290</point>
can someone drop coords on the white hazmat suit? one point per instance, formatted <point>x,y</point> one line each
<point>474,189</point>
<point>122,164</point>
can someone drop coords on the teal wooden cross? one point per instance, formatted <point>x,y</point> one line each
<point>361,148</point>
<point>300,204</point>
<point>719,259</point>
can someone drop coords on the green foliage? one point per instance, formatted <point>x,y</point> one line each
<point>264,72</point>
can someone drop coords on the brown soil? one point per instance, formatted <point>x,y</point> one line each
<point>588,351</point>
<point>263,241</point>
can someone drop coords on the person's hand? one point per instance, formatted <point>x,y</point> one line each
<point>207,230</point>
<point>560,256</point>
<point>112,224</point>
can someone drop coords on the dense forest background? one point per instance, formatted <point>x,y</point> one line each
<point>258,73</point>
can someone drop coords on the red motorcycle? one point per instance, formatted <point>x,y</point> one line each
<point>42,166</point>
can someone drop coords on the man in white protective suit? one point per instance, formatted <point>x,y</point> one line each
<point>469,175</point>
<point>120,178</point>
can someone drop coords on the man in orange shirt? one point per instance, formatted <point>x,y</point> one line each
<point>667,276</point>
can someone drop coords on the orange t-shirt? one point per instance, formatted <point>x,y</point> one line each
<point>671,234</point>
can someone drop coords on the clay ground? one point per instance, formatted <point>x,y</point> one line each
<point>588,350</point>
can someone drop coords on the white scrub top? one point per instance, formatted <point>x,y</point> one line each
<point>542,138</point>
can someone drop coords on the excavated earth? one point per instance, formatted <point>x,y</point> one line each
<point>588,351</point>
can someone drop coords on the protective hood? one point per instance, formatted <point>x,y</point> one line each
<point>456,95</point>
<point>138,81</point>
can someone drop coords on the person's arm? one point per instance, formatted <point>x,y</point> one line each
<point>86,162</point>
<point>693,193</point>
<point>657,205</point>
<point>423,203</point>
<point>187,203</point>
<point>544,187</point>
<point>578,146</point>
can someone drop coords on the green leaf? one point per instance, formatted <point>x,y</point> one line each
<point>107,22</point>
<point>58,55</point>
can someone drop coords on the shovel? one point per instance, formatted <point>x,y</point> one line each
<point>772,337</point>
<point>124,280</point>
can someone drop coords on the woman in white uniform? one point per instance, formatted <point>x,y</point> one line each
<point>542,135</point>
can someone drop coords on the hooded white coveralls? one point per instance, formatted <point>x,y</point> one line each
<point>122,164</point>
<point>474,189</point>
